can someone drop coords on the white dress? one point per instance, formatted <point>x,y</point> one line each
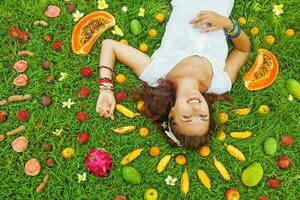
<point>181,40</point>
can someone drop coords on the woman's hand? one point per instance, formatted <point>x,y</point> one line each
<point>106,104</point>
<point>214,21</point>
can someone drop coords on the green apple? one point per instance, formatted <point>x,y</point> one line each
<point>264,109</point>
<point>151,194</point>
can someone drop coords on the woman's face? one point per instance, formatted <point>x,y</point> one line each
<point>191,113</point>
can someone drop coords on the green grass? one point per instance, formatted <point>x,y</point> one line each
<point>283,119</point>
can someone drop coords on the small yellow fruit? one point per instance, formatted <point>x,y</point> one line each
<point>120,78</point>
<point>180,159</point>
<point>242,20</point>
<point>263,109</point>
<point>152,32</point>
<point>140,105</point>
<point>143,47</point>
<point>124,41</point>
<point>204,151</point>
<point>270,39</point>
<point>154,151</point>
<point>254,31</point>
<point>160,18</point>
<point>68,153</point>
<point>223,117</point>
<point>144,132</point>
<point>290,32</point>
<point>221,135</point>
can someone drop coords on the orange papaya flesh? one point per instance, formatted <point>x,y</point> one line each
<point>263,72</point>
<point>89,29</point>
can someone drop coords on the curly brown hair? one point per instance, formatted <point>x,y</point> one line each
<point>158,103</point>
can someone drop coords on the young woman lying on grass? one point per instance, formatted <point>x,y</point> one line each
<point>186,74</point>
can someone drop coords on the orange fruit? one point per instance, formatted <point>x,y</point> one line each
<point>254,31</point>
<point>290,32</point>
<point>154,151</point>
<point>140,105</point>
<point>270,39</point>
<point>143,47</point>
<point>160,18</point>
<point>223,117</point>
<point>204,151</point>
<point>152,32</point>
<point>124,41</point>
<point>221,135</point>
<point>144,132</point>
<point>180,159</point>
<point>242,20</point>
<point>120,78</point>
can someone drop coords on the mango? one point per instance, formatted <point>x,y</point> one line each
<point>135,27</point>
<point>253,174</point>
<point>131,175</point>
<point>294,88</point>
<point>270,146</point>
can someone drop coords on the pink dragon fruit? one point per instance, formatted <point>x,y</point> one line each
<point>98,162</point>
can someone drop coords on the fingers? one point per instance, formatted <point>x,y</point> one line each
<point>209,29</point>
<point>201,22</point>
<point>111,111</point>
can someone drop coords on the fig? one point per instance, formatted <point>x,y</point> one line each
<point>21,80</point>
<point>3,116</point>
<point>47,147</point>
<point>46,64</point>
<point>71,8</point>
<point>50,78</point>
<point>50,162</point>
<point>48,37</point>
<point>45,100</point>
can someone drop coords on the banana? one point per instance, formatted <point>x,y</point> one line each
<point>123,130</point>
<point>185,183</point>
<point>235,152</point>
<point>163,163</point>
<point>222,170</point>
<point>204,178</point>
<point>240,135</point>
<point>125,111</point>
<point>242,111</point>
<point>131,156</point>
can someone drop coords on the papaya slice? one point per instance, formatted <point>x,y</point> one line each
<point>89,29</point>
<point>21,80</point>
<point>263,72</point>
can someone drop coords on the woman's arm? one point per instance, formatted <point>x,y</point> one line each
<point>238,55</point>
<point>133,58</point>
<point>241,44</point>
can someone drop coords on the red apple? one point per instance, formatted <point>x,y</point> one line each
<point>232,194</point>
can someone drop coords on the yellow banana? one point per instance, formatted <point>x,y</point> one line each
<point>163,163</point>
<point>222,170</point>
<point>123,130</point>
<point>131,156</point>
<point>204,178</point>
<point>242,111</point>
<point>125,111</point>
<point>240,135</point>
<point>235,152</point>
<point>185,183</point>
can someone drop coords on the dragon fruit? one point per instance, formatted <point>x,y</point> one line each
<point>98,162</point>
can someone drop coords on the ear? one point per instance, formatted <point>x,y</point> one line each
<point>171,112</point>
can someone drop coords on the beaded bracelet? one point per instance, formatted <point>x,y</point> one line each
<point>235,31</point>
<point>105,67</point>
<point>106,84</point>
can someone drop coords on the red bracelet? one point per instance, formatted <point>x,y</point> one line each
<point>105,80</point>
